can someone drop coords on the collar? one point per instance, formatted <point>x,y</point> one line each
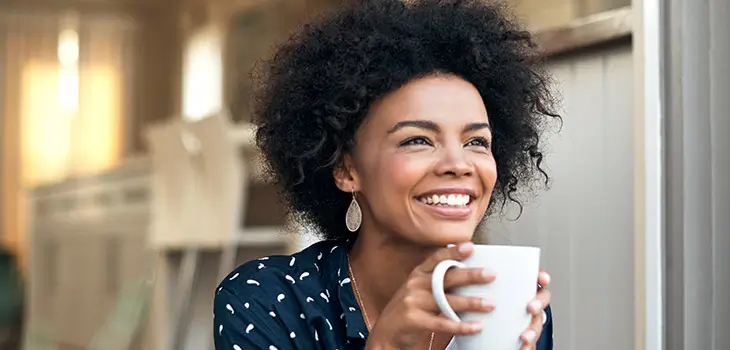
<point>340,283</point>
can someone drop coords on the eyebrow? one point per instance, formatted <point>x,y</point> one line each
<point>476,126</point>
<point>431,126</point>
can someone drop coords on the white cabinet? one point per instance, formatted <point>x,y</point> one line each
<point>86,241</point>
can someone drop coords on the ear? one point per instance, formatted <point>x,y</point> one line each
<point>345,175</point>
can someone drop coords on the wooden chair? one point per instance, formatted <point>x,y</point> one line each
<point>176,223</point>
<point>211,163</point>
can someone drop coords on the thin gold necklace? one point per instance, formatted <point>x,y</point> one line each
<point>362,305</point>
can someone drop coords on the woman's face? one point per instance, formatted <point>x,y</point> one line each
<point>422,164</point>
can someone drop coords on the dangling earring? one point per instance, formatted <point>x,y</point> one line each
<point>353,218</point>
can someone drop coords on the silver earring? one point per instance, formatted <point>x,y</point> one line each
<point>353,218</point>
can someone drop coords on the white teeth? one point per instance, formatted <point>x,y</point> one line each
<point>444,199</point>
<point>451,200</point>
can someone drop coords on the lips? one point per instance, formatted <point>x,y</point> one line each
<point>448,203</point>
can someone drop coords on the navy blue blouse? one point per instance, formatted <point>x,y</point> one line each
<point>303,301</point>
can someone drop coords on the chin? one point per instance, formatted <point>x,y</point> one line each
<point>445,233</point>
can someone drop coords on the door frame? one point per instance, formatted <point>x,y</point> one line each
<point>649,171</point>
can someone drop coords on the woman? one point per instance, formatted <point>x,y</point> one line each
<point>394,129</point>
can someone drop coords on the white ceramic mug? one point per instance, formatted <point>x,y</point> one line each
<point>516,270</point>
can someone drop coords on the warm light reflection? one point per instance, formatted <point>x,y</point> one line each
<point>203,74</point>
<point>97,131</point>
<point>68,82</point>
<point>71,121</point>
<point>68,47</point>
<point>68,90</point>
<point>44,134</point>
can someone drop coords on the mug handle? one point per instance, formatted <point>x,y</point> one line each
<point>437,287</point>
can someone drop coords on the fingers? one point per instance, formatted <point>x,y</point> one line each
<point>536,309</point>
<point>543,279</point>
<point>532,334</point>
<point>467,276</point>
<point>425,314</point>
<point>425,301</point>
<point>442,324</point>
<point>541,301</point>
<point>456,277</point>
<point>457,252</point>
<point>461,303</point>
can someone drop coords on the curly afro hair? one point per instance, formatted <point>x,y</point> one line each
<point>317,89</point>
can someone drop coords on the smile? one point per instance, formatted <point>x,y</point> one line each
<point>447,206</point>
<point>450,200</point>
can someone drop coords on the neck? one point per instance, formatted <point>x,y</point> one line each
<point>381,266</point>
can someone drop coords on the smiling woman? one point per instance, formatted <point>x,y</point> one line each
<point>394,129</point>
<point>429,138</point>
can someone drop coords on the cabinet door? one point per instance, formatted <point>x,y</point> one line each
<point>96,293</point>
<point>70,304</point>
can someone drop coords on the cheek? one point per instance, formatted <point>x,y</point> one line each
<point>399,174</point>
<point>487,171</point>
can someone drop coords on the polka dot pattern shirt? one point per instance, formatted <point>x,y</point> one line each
<point>304,301</point>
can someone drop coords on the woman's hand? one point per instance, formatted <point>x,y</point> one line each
<point>412,313</point>
<point>536,307</point>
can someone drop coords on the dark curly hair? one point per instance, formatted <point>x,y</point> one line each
<point>318,87</point>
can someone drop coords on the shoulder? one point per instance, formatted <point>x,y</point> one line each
<point>265,274</point>
<point>263,303</point>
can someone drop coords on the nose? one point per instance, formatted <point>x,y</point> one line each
<point>454,161</point>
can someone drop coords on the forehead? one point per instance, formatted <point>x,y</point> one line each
<point>443,99</point>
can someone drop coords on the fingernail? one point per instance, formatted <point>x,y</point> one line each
<point>487,304</point>
<point>475,327</point>
<point>466,247</point>
<point>529,335</point>
<point>535,306</point>
<point>488,273</point>
<point>545,277</point>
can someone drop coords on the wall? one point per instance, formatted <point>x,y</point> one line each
<point>545,14</point>
<point>585,222</point>
<point>697,86</point>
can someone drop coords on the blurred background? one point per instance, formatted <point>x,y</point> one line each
<point>127,189</point>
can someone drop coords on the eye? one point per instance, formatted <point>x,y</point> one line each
<point>416,141</point>
<point>478,142</point>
